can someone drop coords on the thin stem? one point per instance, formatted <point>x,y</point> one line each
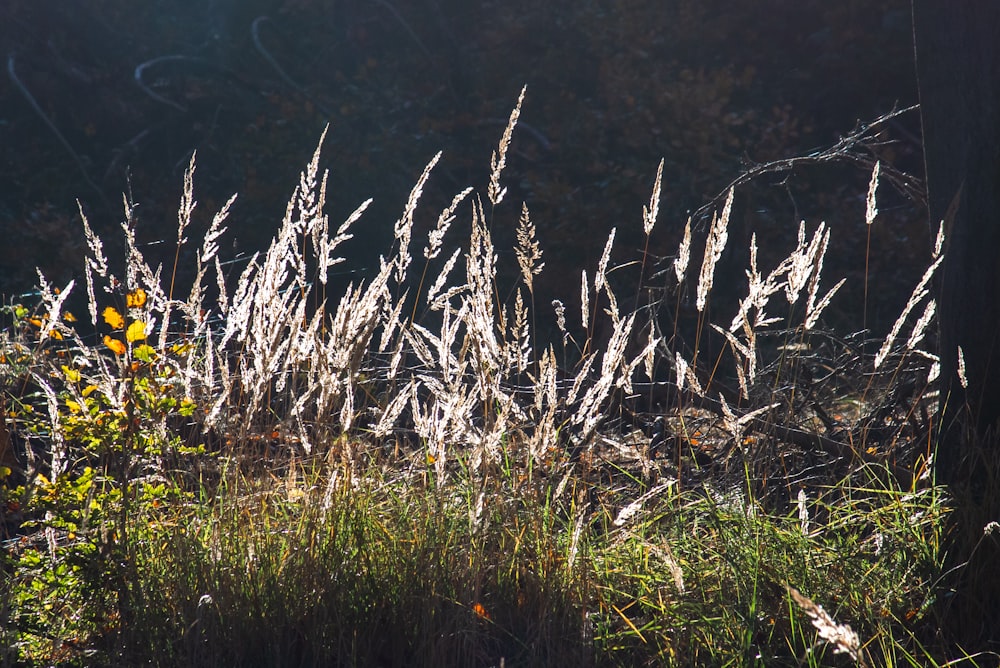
<point>12,74</point>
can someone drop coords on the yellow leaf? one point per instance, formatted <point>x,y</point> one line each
<point>69,317</point>
<point>181,348</point>
<point>72,375</point>
<point>87,391</point>
<point>113,318</point>
<point>136,331</point>
<point>72,406</point>
<point>136,298</point>
<point>116,346</point>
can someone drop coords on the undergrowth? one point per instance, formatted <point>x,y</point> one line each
<point>262,473</point>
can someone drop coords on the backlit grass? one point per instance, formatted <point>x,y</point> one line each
<point>260,472</point>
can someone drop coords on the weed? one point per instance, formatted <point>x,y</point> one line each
<point>260,473</point>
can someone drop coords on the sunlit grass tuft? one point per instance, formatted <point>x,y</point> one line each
<point>260,472</point>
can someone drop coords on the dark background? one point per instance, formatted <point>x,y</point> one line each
<point>612,88</point>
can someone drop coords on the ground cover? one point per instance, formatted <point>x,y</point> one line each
<point>255,471</point>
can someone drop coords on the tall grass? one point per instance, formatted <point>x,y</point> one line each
<point>260,472</point>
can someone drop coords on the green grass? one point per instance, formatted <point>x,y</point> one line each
<point>397,571</point>
<point>260,473</point>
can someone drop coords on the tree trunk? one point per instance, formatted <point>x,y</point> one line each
<point>957,44</point>
<point>958,70</point>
